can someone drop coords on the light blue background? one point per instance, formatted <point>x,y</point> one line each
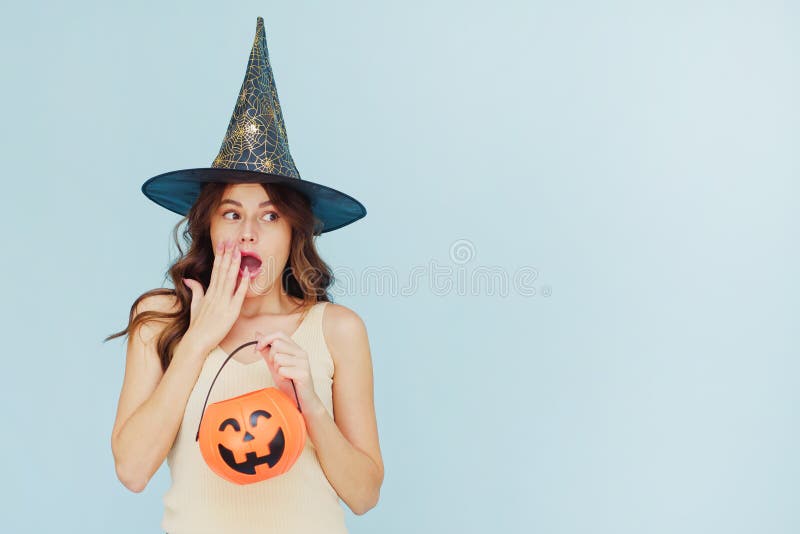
<point>640,156</point>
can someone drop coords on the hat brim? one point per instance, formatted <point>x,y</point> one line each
<point>178,190</point>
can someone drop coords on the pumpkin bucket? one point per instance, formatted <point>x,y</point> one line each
<point>252,437</point>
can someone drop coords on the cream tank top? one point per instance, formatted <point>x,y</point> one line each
<point>300,501</point>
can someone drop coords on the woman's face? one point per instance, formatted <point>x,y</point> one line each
<point>246,217</point>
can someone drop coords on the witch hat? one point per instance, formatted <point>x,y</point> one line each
<point>255,150</point>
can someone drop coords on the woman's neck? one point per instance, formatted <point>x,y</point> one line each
<point>270,304</point>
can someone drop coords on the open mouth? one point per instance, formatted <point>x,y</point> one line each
<point>252,261</point>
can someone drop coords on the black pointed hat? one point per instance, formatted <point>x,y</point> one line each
<point>255,150</point>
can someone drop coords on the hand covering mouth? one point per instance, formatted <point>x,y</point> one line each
<point>251,260</point>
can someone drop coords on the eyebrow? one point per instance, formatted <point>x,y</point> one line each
<point>236,203</point>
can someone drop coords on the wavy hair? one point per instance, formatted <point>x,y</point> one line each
<point>305,276</point>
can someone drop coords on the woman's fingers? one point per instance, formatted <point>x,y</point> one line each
<point>280,342</point>
<point>214,313</point>
<point>197,295</point>
<point>241,291</point>
<point>231,269</point>
<point>277,337</point>
<point>282,359</point>
<point>215,268</point>
<point>221,271</point>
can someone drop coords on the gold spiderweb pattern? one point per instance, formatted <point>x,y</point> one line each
<point>256,137</point>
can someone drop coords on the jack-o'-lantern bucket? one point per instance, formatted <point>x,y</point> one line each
<point>252,437</point>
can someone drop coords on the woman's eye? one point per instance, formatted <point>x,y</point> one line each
<point>270,215</point>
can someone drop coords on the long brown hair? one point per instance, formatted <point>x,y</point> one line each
<point>305,276</point>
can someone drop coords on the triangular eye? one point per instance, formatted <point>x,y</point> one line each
<point>255,414</point>
<point>232,422</point>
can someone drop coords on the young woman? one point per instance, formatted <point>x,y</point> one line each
<point>178,339</point>
<point>251,273</point>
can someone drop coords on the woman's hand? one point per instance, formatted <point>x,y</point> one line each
<point>214,312</point>
<point>288,362</point>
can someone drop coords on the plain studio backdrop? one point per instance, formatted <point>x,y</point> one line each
<point>578,269</point>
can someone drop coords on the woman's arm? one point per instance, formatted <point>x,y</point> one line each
<point>348,448</point>
<point>152,402</point>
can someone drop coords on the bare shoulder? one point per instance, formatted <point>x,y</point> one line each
<point>161,303</point>
<point>343,329</point>
<point>340,320</point>
<point>341,317</point>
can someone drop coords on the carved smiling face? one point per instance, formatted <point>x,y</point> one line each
<point>235,437</point>
<point>252,437</point>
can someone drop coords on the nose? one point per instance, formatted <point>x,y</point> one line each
<point>247,235</point>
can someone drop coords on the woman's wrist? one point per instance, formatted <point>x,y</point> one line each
<point>194,345</point>
<point>314,408</point>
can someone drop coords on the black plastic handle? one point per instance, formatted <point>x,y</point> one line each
<point>240,347</point>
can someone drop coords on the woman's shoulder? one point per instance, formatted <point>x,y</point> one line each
<point>159,302</point>
<point>163,300</point>
<point>341,318</point>
<point>343,329</point>
<point>157,306</point>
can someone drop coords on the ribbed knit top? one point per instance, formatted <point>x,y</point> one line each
<point>300,501</point>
